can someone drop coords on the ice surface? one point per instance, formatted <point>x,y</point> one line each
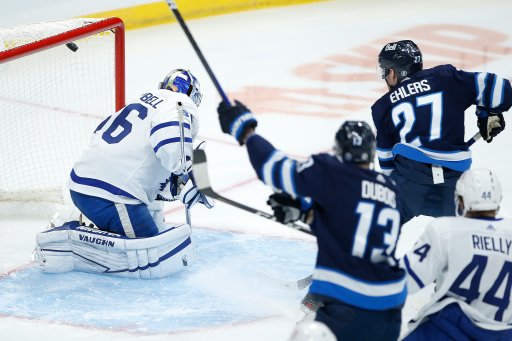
<point>302,70</point>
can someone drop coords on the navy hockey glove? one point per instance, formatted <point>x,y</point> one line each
<point>236,120</point>
<point>489,124</point>
<point>287,209</point>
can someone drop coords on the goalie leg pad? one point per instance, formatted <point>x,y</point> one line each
<point>75,247</point>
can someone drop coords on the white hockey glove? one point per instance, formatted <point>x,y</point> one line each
<point>171,188</point>
<point>489,124</point>
<point>190,196</point>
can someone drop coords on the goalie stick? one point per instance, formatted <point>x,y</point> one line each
<point>179,107</point>
<point>202,180</point>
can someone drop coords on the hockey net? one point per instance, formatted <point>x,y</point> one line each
<point>58,81</point>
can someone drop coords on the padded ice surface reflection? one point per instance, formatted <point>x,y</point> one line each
<point>230,283</point>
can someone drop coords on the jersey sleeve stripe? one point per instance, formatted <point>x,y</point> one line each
<point>99,184</point>
<point>412,273</point>
<point>287,177</point>
<point>480,79</point>
<point>171,140</point>
<point>498,89</point>
<point>384,154</point>
<point>267,169</point>
<point>168,124</point>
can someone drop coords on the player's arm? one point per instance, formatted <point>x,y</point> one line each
<point>491,94</point>
<point>425,262</point>
<point>385,142</point>
<point>273,167</point>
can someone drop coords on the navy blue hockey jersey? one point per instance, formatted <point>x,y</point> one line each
<point>422,119</point>
<point>356,221</point>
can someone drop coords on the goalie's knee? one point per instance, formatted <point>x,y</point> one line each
<point>75,247</point>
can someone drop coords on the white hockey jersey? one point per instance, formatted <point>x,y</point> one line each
<point>470,262</point>
<point>133,152</point>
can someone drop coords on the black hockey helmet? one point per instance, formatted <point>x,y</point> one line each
<point>355,142</point>
<point>403,56</point>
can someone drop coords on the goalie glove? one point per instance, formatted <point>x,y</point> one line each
<point>236,120</point>
<point>171,188</point>
<point>489,124</point>
<point>190,196</point>
<point>287,209</point>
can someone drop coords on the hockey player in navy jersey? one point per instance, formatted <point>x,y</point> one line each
<point>420,125</point>
<point>355,218</point>
<point>136,155</point>
<point>469,258</point>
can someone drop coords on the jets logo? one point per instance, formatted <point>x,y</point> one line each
<point>357,140</point>
<point>303,165</point>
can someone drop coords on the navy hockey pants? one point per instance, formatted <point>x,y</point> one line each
<point>351,323</point>
<point>452,324</point>
<point>127,220</point>
<point>418,195</point>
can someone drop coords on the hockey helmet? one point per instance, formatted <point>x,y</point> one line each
<point>403,56</point>
<point>355,142</point>
<point>183,81</point>
<point>479,189</point>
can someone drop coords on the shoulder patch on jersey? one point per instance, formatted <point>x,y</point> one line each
<point>303,165</point>
<point>380,178</point>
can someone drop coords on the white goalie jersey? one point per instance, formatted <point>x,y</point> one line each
<point>470,262</point>
<point>133,152</point>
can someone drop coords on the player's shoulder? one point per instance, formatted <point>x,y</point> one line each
<point>379,105</point>
<point>445,70</point>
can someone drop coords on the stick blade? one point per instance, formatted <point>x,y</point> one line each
<point>200,172</point>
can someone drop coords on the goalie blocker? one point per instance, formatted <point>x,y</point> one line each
<point>76,247</point>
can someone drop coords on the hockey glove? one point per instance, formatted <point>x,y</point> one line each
<point>190,196</point>
<point>287,209</point>
<point>171,188</point>
<point>236,120</point>
<point>489,124</point>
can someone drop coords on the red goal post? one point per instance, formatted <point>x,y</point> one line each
<point>58,81</point>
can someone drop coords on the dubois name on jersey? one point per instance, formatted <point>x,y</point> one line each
<point>356,220</point>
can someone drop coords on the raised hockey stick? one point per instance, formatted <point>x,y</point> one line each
<point>202,180</point>
<point>179,106</point>
<point>179,18</point>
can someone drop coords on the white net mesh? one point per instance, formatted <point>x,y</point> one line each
<point>50,103</point>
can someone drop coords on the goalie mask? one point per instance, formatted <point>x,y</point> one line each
<point>479,189</point>
<point>182,81</point>
<point>355,142</point>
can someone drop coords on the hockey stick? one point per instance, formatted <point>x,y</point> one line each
<point>179,106</point>
<point>286,284</point>
<point>179,18</point>
<point>202,180</point>
<point>472,140</point>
